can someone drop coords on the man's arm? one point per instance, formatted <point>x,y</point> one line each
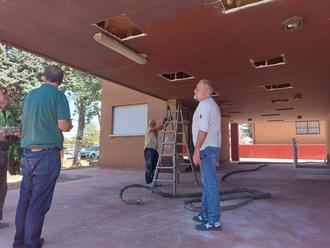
<point>156,128</point>
<point>200,140</point>
<point>64,125</point>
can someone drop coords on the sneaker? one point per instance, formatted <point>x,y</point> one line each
<point>199,218</point>
<point>208,227</point>
<point>157,184</point>
<point>154,184</point>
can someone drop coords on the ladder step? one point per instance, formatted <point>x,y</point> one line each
<point>168,143</point>
<point>163,180</point>
<point>166,155</point>
<point>182,154</point>
<point>172,132</point>
<point>165,167</point>
<point>183,163</point>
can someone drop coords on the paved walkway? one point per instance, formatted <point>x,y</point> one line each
<point>88,213</point>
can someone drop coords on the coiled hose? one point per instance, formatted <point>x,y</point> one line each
<point>246,195</point>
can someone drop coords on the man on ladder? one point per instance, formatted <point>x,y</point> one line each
<point>150,149</point>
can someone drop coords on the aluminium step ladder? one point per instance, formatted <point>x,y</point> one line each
<point>174,150</point>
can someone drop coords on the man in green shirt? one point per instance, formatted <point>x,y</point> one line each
<point>46,115</point>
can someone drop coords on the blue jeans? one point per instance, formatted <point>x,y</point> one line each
<point>40,172</point>
<point>150,163</point>
<point>210,193</point>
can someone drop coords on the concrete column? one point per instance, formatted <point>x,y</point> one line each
<point>327,130</point>
<point>234,137</point>
<point>225,143</point>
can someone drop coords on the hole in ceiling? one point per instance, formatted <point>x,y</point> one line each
<point>121,27</point>
<point>226,116</point>
<point>176,76</point>
<point>274,120</point>
<point>234,112</point>
<point>270,115</point>
<point>293,23</point>
<point>276,101</point>
<point>275,61</point>
<point>284,109</point>
<point>278,86</point>
<point>215,94</point>
<point>299,117</point>
<point>235,5</point>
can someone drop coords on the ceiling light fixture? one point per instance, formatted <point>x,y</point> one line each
<point>293,23</point>
<point>120,48</point>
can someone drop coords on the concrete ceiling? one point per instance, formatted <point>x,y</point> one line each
<point>194,36</point>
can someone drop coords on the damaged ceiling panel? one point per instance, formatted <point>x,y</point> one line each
<point>121,27</point>
<point>261,57</point>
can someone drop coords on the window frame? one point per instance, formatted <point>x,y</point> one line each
<point>308,132</point>
<point>127,133</point>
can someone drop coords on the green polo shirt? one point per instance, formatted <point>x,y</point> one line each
<point>42,108</point>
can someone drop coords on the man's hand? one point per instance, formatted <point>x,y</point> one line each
<point>64,125</point>
<point>196,157</point>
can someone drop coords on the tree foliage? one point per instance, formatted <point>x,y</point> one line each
<point>21,71</point>
<point>246,130</point>
<point>85,91</point>
<point>91,135</point>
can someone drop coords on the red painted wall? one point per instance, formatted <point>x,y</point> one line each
<point>282,151</point>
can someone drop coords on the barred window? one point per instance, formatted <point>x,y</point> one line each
<point>307,127</point>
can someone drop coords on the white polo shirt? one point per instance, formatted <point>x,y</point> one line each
<point>207,118</point>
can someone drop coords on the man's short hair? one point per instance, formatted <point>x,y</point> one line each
<point>208,84</point>
<point>152,121</point>
<point>54,74</point>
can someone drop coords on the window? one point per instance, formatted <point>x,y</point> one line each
<point>307,127</point>
<point>130,120</point>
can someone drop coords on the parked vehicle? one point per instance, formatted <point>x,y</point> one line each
<point>91,152</point>
<point>68,153</point>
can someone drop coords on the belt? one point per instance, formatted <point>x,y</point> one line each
<point>35,149</point>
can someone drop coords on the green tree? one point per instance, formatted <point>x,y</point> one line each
<point>19,72</point>
<point>245,131</point>
<point>91,135</point>
<point>85,91</point>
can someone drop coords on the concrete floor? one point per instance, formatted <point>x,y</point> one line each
<point>88,213</point>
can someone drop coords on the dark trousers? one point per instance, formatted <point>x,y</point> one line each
<point>40,171</point>
<point>150,163</point>
<point>3,179</point>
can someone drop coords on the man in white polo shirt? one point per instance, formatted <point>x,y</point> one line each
<point>206,130</point>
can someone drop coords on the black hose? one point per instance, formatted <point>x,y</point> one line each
<point>246,195</point>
